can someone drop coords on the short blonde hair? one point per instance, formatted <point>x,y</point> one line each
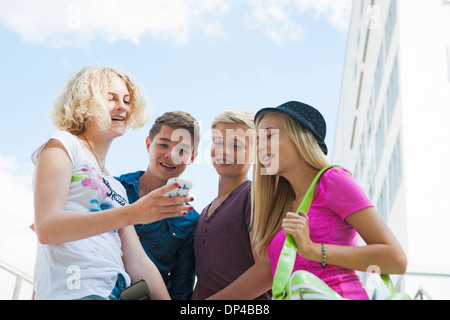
<point>238,116</point>
<point>85,97</point>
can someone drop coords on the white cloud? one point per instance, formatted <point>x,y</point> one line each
<point>280,19</point>
<point>17,240</point>
<point>274,17</point>
<point>67,22</point>
<point>60,23</point>
<point>337,12</point>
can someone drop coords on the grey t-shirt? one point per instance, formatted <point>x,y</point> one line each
<point>222,243</point>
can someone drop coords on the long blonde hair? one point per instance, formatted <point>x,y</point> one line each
<point>85,96</point>
<point>272,195</point>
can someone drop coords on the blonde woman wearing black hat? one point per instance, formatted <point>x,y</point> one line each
<point>291,151</point>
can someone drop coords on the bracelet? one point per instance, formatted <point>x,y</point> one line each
<point>324,256</point>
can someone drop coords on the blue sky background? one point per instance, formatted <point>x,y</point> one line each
<point>203,57</point>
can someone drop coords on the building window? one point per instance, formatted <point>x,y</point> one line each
<point>369,122</point>
<point>371,180</point>
<point>353,132</point>
<point>362,157</point>
<point>361,81</point>
<point>390,24</point>
<point>379,72</point>
<point>358,39</point>
<point>382,206</point>
<point>395,171</point>
<point>392,92</point>
<point>385,45</point>
<point>380,136</point>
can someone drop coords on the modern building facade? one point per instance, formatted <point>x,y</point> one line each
<point>393,129</point>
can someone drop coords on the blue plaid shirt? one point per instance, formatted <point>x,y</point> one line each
<point>168,242</point>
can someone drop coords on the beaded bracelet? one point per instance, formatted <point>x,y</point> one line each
<point>324,256</point>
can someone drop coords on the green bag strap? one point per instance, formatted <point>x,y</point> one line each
<point>288,253</point>
<point>286,260</point>
<point>309,195</point>
<point>394,294</point>
<point>388,282</point>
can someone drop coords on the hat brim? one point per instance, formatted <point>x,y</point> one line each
<point>300,119</point>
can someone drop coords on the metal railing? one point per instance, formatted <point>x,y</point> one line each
<point>426,274</point>
<point>20,278</point>
<point>422,295</point>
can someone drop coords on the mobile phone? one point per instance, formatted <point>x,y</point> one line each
<point>183,189</point>
<point>137,291</point>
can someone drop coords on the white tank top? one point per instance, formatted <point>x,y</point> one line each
<point>90,266</point>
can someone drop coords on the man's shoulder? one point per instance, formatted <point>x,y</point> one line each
<point>130,177</point>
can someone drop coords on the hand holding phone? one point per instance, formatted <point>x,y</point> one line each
<point>183,189</point>
<point>171,200</point>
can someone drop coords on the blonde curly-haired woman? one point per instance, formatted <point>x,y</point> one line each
<point>87,246</point>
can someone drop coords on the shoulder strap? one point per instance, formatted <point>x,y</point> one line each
<point>309,195</point>
<point>288,253</point>
<point>388,282</point>
<point>286,260</point>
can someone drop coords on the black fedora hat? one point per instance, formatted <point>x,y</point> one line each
<point>309,117</point>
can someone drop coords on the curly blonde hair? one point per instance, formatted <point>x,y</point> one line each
<point>85,99</point>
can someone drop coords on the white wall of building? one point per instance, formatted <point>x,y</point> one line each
<point>393,129</point>
<point>425,90</point>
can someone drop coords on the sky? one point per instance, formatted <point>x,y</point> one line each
<point>199,56</point>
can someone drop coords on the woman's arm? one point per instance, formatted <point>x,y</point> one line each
<point>53,224</point>
<point>139,266</point>
<point>382,249</point>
